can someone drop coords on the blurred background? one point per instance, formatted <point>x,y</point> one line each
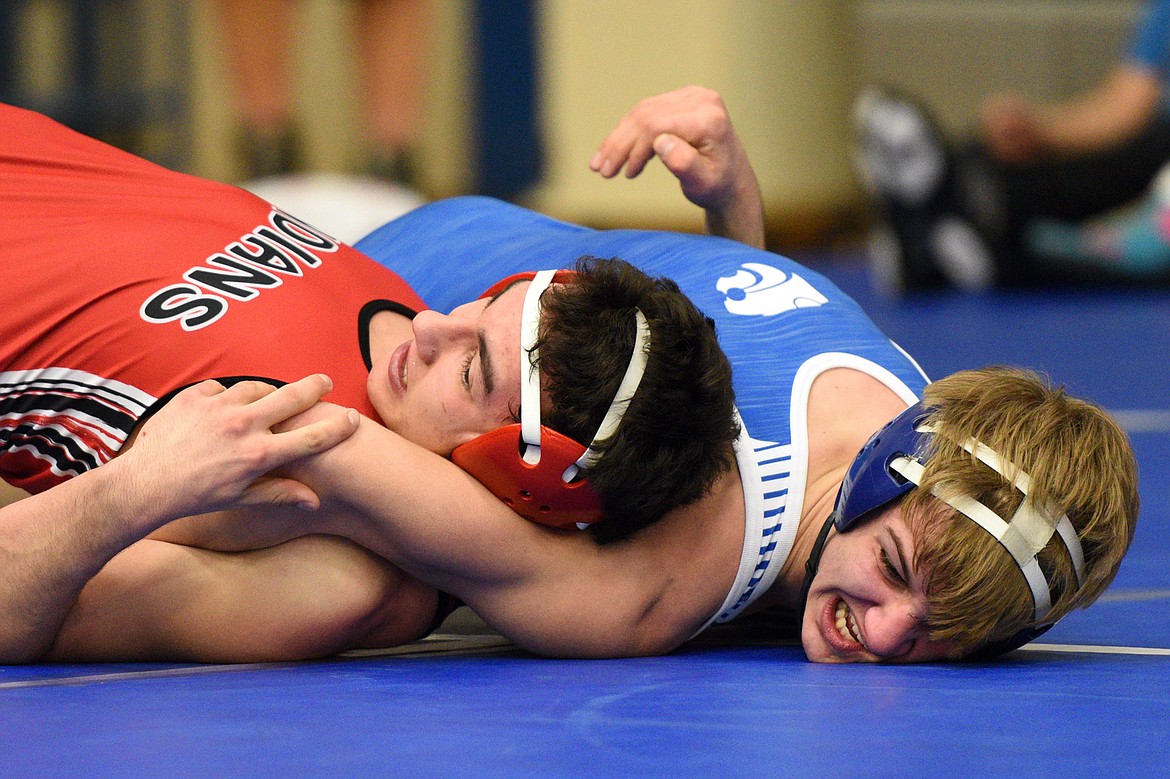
<point>516,95</point>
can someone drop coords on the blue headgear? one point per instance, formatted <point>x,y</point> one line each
<point>888,467</point>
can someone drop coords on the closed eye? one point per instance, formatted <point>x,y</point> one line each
<point>465,374</point>
<point>893,574</point>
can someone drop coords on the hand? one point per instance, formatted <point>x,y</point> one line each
<point>212,448</point>
<point>690,130</point>
<point>1013,129</point>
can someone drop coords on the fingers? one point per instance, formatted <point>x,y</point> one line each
<point>275,405</point>
<point>619,149</point>
<point>242,392</point>
<point>204,389</point>
<point>257,408</point>
<point>693,115</point>
<point>248,391</point>
<point>314,437</point>
<point>212,448</point>
<point>630,143</point>
<point>276,491</point>
<point>677,155</point>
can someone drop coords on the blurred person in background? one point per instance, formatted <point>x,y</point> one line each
<point>1009,206</point>
<point>392,43</point>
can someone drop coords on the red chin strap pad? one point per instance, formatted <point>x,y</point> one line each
<point>535,492</point>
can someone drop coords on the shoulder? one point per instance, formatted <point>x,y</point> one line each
<point>846,407</point>
<point>690,558</point>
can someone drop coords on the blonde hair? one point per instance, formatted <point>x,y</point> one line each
<point>1078,458</point>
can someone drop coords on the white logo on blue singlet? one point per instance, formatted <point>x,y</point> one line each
<point>761,290</point>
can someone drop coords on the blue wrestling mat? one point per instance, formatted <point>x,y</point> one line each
<point>1092,699</point>
<point>755,711</point>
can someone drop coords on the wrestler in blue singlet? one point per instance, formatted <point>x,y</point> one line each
<point>780,324</point>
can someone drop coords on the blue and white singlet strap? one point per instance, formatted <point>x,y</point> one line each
<point>766,470</point>
<point>774,477</point>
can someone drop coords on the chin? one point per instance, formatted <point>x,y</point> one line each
<point>814,648</point>
<point>815,651</point>
<point>378,395</point>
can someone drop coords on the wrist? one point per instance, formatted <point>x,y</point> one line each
<point>127,498</point>
<point>741,217</point>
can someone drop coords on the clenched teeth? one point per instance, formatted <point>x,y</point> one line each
<point>846,623</point>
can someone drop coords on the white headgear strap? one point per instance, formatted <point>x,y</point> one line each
<point>530,380</point>
<point>1025,535</point>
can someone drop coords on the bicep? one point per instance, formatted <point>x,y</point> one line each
<point>310,597</point>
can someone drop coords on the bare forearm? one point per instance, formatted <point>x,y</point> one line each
<point>552,592</point>
<point>1119,107</point>
<point>1100,121</point>
<point>207,449</point>
<point>306,598</point>
<point>410,506</point>
<point>52,544</point>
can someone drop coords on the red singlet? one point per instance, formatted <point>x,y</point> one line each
<point>125,281</point>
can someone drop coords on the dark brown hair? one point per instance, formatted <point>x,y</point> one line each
<point>677,435</point>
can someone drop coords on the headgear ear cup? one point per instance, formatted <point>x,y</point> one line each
<point>529,466</point>
<point>536,492</point>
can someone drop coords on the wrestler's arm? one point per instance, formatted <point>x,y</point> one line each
<point>308,597</point>
<point>51,544</point>
<point>1018,130</point>
<point>550,591</point>
<point>689,129</point>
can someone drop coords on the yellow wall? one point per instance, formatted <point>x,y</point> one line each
<point>783,69</point>
<point>787,70</point>
<point>327,94</point>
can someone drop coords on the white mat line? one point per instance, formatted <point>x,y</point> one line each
<point>1133,596</point>
<point>158,673</point>
<point>446,644</point>
<point>1142,420</point>
<point>1093,649</point>
<point>439,643</point>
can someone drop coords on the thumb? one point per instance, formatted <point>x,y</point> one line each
<point>276,491</point>
<point>677,155</point>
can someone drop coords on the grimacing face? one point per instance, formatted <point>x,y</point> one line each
<point>458,378</point>
<point>866,602</point>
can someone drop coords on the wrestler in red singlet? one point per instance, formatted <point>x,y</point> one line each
<point>125,281</point>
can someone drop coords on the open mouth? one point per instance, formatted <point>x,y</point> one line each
<point>397,367</point>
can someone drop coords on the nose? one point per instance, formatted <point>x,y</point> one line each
<point>435,332</point>
<point>890,629</point>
